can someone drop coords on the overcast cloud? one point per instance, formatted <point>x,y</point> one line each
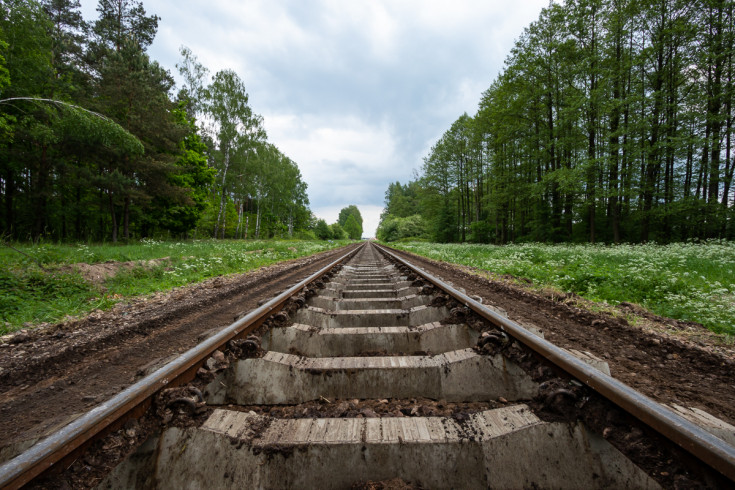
<point>355,92</point>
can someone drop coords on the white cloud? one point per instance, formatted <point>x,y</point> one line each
<point>344,160</point>
<point>355,92</point>
<point>370,219</point>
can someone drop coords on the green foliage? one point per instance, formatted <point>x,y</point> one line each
<point>29,294</point>
<point>392,228</point>
<point>4,73</point>
<point>5,120</point>
<point>686,281</point>
<point>610,122</point>
<point>123,21</point>
<point>355,231</point>
<point>32,295</point>
<point>74,124</point>
<point>353,228</point>
<point>337,232</point>
<point>194,92</point>
<point>93,147</point>
<point>322,231</point>
<point>402,201</point>
<point>194,175</point>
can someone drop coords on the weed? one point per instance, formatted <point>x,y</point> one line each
<point>30,294</point>
<point>686,281</point>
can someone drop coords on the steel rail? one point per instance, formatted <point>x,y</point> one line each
<point>706,447</point>
<point>43,455</point>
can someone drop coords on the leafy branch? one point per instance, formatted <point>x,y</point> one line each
<point>115,133</point>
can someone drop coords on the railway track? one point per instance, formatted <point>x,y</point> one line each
<point>372,370</point>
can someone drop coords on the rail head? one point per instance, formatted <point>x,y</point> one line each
<point>706,447</point>
<point>43,455</point>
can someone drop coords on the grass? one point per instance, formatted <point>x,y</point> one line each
<point>41,287</point>
<point>685,281</point>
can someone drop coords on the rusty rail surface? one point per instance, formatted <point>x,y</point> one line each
<point>706,447</point>
<point>42,456</point>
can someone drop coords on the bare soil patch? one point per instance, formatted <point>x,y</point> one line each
<point>667,360</point>
<point>99,273</point>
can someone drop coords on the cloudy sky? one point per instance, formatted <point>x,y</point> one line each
<point>354,91</point>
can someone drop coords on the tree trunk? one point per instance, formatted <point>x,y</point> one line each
<point>223,200</point>
<point>9,196</point>
<point>126,218</point>
<point>652,163</point>
<point>77,211</point>
<point>224,223</point>
<point>40,194</point>
<point>257,221</point>
<point>729,164</point>
<point>113,216</point>
<point>713,113</point>
<point>591,133</point>
<point>689,168</point>
<point>239,220</point>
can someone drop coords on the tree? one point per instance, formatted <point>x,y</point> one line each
<point>322,230</point>
<point>338,233</point>
<point>402,200</point>
<point>194,175</point>
<point>352,227</point>
<point>611,121</point>
<point>394,228</point>
<point>5,120</point>
<point>121,23</point>
<point>48,133</point>
<point>134,91</point>
<point>345,213</point>
<point>194,91</point>
<point>236,131</point>
<point>259,190</point>
<point>93,146</point>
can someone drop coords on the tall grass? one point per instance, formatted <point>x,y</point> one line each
<point>685,281</point>
<point>38,285</point>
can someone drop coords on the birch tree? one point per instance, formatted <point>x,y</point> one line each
<point>235,129</point>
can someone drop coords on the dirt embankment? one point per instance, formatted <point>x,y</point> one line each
<point>49,374</point>
<point>667,360</point>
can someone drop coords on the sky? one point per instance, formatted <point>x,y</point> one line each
<point>354,91</point>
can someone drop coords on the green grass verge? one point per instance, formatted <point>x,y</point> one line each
<point>685,281</point>
<point>31,293</point>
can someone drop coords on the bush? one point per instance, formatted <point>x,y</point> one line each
<point>392,228</point>
<point>304,235</point>
<point>322,231</point>
<point>338,233</point>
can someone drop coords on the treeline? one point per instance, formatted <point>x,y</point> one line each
<point>611,121</point>
<point>97,142</point>
<point>348,225</point>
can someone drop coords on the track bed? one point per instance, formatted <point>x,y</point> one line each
<point>370,375</point>
<point>378,378</point>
